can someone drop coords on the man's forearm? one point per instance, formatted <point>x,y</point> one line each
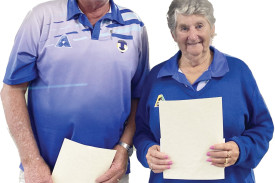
<point>130,128</point>
<point>14,104</point>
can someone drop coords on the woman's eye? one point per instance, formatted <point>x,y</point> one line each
<point>199,26</point>
<point>183,28</point>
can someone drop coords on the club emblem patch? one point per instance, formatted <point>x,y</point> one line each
<point>122,46</point>
<point>160,98</point>
<point>63,42</point>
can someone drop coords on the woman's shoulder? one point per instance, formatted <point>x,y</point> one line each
<point>153,74</point>
<point>157,67</point>
<point>241,70</point>
<point>236,63</point>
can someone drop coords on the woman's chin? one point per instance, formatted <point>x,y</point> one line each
<point>194,53</point>
<point>194,50</point>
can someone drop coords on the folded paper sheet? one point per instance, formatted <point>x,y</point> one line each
<point>80,163</point>
<point>188,129</point>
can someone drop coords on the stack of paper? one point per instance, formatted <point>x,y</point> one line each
<point>79,163</point>
<point>188,129</point>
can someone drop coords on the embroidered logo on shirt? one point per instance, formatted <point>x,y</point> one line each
<point>122,46</point>
<point>160,98</point>
<point>63,42</point>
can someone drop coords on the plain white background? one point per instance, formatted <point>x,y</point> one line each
<point>245,29</point>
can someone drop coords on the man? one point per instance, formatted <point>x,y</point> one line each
<point>84,63</point>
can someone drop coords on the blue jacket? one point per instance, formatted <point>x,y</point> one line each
<point>246,119</point>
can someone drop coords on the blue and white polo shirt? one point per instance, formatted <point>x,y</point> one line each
<point>82,77</point>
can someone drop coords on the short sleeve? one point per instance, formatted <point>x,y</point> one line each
<point>143,65</point>
<point>22,62</point>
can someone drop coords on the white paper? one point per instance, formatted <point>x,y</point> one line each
<point>188,129</point>
<point>79,163</point>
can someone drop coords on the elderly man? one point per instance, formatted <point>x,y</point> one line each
<point>84,63</point>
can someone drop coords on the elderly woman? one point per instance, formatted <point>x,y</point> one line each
<point>199,70</point>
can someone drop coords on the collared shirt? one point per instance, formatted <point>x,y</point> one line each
<point>217,68</point>
<point>82,77</point>
<point>113,15</point>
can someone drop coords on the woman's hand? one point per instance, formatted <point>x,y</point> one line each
<point>157,161</point>
<point>224,155</point>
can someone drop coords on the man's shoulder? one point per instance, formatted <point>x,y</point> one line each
<point>51,6</point>
<point>43,13</point>
<point>128,14</point>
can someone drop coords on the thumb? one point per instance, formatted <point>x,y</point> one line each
<point>106,176</point>
<point>158,148</point>
<point>51,180</point>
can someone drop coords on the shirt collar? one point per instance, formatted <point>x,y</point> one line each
<point>218,68</point>
<point>114,14</point>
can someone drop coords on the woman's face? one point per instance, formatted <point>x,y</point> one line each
<point>193,35</point>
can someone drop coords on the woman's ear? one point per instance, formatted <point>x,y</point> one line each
<point>173,35</point>
<point>213,32</point>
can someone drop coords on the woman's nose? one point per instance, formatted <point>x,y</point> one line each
<point>193,34</point>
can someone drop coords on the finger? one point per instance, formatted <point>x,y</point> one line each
<point>220,160</point>
<point>111,174</point>
<point>51,180</point>
<point>227,163</point>
<point>158,155</point>
<point>155,151</point>
<point>114,179</point>
<point>102,178</point>
<point>157,171</point>
<point>158,148</point>
<point>160,161</point>
<point>221,147</point>
<point>218,154</point>
<point>160,167</point>
<point>221,164</point>
<point>106,176</point>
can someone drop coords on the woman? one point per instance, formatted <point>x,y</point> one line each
<point>199,70</point>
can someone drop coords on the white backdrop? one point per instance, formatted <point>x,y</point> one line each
<point>245,29</point>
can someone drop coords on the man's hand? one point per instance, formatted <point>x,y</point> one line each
<point>118,167</point>
<point>37,171</point>
<point>17,116</point>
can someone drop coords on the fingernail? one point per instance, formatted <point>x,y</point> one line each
<point>168,167</point>
<point>166,156</point>
<point>170,162</point>
<point>209,160</point>
<point>208,154</point>
<point>212,147</point>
